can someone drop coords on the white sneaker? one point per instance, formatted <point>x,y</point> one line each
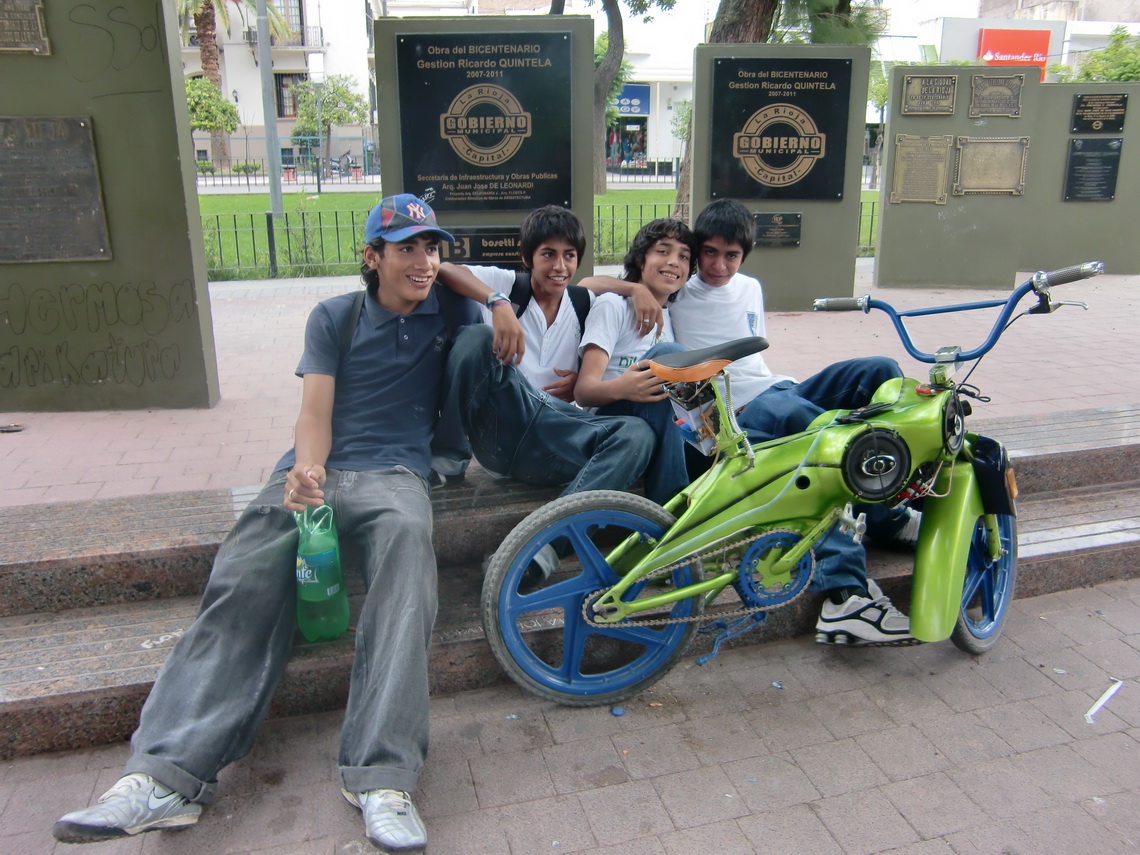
<point>863,621</point>
<point>135,804</point>
<point>908,534</point>
<point>391,820</point>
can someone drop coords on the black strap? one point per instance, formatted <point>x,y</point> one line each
<point>349,328</point>
<point>521,292</point>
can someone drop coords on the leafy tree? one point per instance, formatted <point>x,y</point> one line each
<point>340,105</point>
<point>209,110</point>
<point>206,15</point>
<point>625,71</point>
<point>1117,61</point>
<point>878,91</point>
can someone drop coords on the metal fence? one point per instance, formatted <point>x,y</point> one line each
<point>252,173</point>
<point>324,243</point>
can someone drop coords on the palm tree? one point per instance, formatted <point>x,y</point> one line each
<point>206,14</point>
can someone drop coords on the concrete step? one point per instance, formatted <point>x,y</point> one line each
<point>79,677</point>
<point>78,554</point>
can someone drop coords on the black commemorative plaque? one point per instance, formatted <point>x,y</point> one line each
<point>485,119</point>
<point>22,27</point>
<point>1099,113</point>
<point>51,202</point>
<point>996,96</point>
<point>494,245</point>
<point>779,127</point>
<point>1091,170</point>
<point>774,230</point>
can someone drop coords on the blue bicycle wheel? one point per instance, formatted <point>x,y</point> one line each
<point>988,590</point>
<point>543,574</point>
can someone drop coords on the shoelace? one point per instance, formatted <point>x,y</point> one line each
<point>888,607</point>
<point>123,786</point>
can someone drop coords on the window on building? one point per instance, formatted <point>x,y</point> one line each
<point>293,12</point>
<point>201,154</point>
<point>286,97</point>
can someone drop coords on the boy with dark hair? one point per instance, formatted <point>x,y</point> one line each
<point>615,377</point>
<point>372,372</point>
<point>514,400</point>
<point>719,304</point>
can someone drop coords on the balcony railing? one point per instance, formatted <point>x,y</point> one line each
<point>304,37</point>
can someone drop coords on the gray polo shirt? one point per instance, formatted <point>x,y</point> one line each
<point>388,389</point>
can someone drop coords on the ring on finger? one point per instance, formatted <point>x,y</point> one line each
<point>292,493</point>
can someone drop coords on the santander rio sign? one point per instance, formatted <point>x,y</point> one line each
<point>1014,47</point>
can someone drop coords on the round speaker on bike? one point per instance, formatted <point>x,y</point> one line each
<point>876,464</point>
<point>953,424</point>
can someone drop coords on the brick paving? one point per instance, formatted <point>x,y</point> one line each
<point>1065,361</point>
<point>777,748</point>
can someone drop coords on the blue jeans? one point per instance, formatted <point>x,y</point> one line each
<point>666,474</point>
<point>523,432</point>
<point>789,407</point>
<point>213,691</point>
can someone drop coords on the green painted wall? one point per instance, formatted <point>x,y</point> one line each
<point>824,262</point>
<point>573,148</point>
<point>133,331</point>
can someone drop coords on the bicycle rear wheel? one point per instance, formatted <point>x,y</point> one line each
<point>535,626</point>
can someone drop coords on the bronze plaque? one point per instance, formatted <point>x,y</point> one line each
<point>921,168</point>
<point>996,96</point>
<point>51,203</point>
<point>929,95</point>
<point>777,229</point>
<point>991,166</point>
<point>1090,173</point>
<point>22,27</point>
<point>1099,114</point>
<point>494,245</point>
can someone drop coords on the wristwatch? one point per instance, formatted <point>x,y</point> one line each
<point>497,298</point>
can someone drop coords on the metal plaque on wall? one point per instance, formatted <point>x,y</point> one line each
<point>777,229</point>
<point>921,168</point>
<point>929,95</point>
<point>22,27</point>
<point>1099,113</point>
<point>468,108</point>
<point>1091,170</point>
<point>996,96</point>
<point>779,127</point>
<point>51,202</point>
<point>494,245</point>
<point>991,166</point>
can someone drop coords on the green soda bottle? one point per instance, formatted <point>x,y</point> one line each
<point>322,602</point>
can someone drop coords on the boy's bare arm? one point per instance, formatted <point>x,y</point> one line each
<point>636,383</point>
<point>508,342</point>
<point>312,443</point>
<point>645,305</point>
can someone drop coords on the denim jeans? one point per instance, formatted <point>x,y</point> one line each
<point>666,474</point>
<point>213,691</point>
<point>789,407</point>
<point>523,432</point>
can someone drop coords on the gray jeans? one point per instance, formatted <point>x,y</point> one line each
<point>212,694</point>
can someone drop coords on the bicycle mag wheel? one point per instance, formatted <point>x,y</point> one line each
<point>989,587</point>
<point>535,626</point>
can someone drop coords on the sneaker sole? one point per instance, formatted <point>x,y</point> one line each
<point>70,832</point>
<point>841,638</point>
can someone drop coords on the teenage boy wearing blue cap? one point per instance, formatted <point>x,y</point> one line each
<point>370,398</point>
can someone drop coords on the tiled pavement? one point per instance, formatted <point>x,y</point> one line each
<point>1066,361</point>
<point>772,749</point>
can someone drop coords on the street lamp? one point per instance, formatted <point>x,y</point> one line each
<point>316,64</point>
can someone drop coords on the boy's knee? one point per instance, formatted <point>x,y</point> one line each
<point>882,368</point>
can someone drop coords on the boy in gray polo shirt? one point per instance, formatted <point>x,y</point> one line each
<point>368,409</point>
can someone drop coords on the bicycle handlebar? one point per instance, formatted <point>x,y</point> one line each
<point>1039,284</point>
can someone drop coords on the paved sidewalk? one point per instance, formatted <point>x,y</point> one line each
<point>1067,361</point>
<point>784,748</point>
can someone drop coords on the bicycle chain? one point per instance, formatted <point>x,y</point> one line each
<point>702,557</point>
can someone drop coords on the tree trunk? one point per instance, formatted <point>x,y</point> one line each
<point>737,22</point>
<point>604,76</point>
<point>205,23</point>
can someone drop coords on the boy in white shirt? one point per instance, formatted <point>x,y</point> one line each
<point>615,377</point>
<point>719,304</point>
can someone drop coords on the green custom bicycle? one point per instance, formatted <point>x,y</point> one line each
<point>633,578</point>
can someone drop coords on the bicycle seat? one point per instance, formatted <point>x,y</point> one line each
<point>692,366</point>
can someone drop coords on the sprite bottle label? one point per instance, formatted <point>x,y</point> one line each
<point>317,576</point>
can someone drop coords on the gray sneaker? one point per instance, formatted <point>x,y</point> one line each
<point>391,820</point>
<point>870,621</point>
<point>135,804</point>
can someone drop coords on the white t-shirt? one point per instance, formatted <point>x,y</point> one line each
<point>547,348</point>
<point>704,316</point>
<point>610,326</point>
